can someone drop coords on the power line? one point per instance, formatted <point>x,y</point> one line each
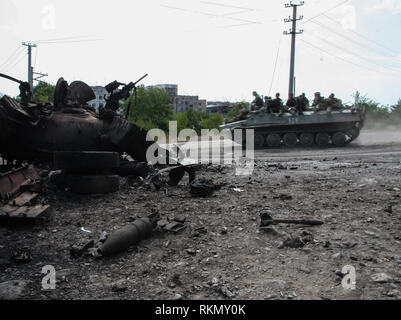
<point>275,64</point>
<point>345,37</point>
<point>12,57</point>
<point>73,41</point>
<point>338,57</point>
<point>332,8</point>
<point>17,62</point>
<point>18,57</point>
<point>355,55</point>
<point>59,39</point>
<point>226,5</point>
<point>363,36</point>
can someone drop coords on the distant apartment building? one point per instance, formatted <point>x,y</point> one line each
<point>100,94</point>
<point>219,107</point>
<point>169,88</point>
<point>182,103</point>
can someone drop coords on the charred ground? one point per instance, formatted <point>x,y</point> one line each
<point>222,254</point>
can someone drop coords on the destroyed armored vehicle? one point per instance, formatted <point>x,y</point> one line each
<point>320,128</point>
<point>35,131</point>
<point>91,148</point>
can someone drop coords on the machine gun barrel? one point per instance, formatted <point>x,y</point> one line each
<point>140,79</point>
<point>133,84</point>
<point>11,78</point>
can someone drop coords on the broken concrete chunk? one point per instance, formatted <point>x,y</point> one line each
<point>381,278</point>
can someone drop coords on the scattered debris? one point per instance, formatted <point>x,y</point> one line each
<point>298,241</point>
<point>103,237</point>
<point>174,226</point>
<point>389,209</point>
<point>381,278</point>
<point>79,248</point>
<point>203,187</point>
<point>283,197</point>
<point>85,230</point>
<point>21,187</point>
<point>21,256</point>
<point>225,291</point>
<point>266,220</point>
<point>13,289</point>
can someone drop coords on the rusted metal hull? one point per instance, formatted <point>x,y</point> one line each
<point>29,132</point>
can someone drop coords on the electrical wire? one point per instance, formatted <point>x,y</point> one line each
<point>275,64</point>
<point>345,37</point>
<point>17,62</point>
<point>348,61</point>
<point>12,57</point>
<point>72,41</point>
<point>355,55</point>
<point>363,36</point>
<point>323,12</point>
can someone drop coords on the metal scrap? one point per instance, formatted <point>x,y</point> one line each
<point>15,180</point>
<point>266,220</point>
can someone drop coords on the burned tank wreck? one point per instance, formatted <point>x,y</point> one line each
<point>35,131</point>
<point>91,148</point>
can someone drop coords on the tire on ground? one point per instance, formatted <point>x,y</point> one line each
<point>339,139</point>
<point>86,160</point>
<point>306,139</point>
<point>91,184</point>
<point>290,140</point>
<point>322,139</point>
<point>273,140</point>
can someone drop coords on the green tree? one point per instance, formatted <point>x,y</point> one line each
<point>43,92</point>
<point>212,121</point>
<point>195,119</point>
<point>396,110</point>
<point>153,108</point>
<point>235,111</point>
<point>182,121</point>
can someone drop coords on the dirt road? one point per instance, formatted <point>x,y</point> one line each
<point>222,254</point>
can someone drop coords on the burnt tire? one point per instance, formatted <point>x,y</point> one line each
<point>322,139</point>
<point>273,140</point>
<point>86,160</point>
<point>290,140</point>
<point>89,184</point>
<point>339,139</point>
<point>259,141</point>
<point>306,139</point>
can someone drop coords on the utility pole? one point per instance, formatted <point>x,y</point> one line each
<point>30,68</point>
<point>293,32</point>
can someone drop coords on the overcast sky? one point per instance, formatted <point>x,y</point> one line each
<point>215,49</point>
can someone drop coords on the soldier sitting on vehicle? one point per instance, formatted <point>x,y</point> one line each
<point>291,105</point>
<point>303,103</point>
<point>268,103</point>
<point>277,105</point>
<point>333,103</point>
<point>257,103</point>
<point>319,103</point>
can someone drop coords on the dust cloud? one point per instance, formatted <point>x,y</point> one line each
<point>380,134</point>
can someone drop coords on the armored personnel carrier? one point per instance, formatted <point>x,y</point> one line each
<point>320,128</point>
